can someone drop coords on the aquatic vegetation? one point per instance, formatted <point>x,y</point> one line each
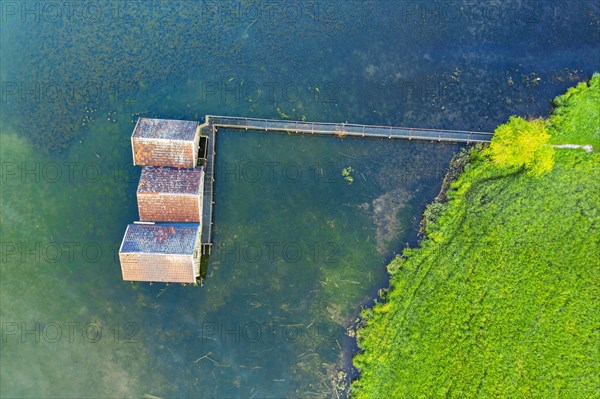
<point>128,54</point>
<point>347,173</point>
<point>385,210</point>
<point>281,114</point>
<point>501,297</point>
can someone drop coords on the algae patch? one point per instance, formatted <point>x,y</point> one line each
<point>385,210</point>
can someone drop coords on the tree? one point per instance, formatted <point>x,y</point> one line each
<point>521,143</point>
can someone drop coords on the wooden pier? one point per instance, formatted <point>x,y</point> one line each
<point>176,192</point>
<point>348,129</point>
<point>208,199</point>
<point>213,122</point>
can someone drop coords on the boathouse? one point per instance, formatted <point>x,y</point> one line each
<point>165,142</point>
<point>177,185</point>
<point>170,194</point>
<point>161,252</point>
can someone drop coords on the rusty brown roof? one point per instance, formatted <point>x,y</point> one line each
<point>165,129</point>
<point>166,238</point>
<point>171,180</point>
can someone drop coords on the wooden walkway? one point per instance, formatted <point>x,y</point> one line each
<point>348,129</point>
<point>208,196</point>
<point>209,128</point>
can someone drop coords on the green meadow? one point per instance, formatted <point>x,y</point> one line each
<point>501,297</point>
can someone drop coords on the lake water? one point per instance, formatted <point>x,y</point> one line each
<point>298,248</point>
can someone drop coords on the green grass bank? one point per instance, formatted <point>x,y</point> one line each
<point>501,298</point>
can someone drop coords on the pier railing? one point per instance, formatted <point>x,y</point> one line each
<point>321,128</point>
<point>208,197</point>
<point>348,129</point>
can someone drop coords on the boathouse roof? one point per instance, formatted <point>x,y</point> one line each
<point>165,129</point>
<point>163,238</point>
<point>171,180</point>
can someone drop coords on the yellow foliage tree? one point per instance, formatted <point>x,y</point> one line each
<point>521,143</point>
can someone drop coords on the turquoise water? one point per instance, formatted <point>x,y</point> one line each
<point>298,248</point>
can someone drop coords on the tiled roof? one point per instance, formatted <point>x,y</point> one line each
<point>167,238</point>
<point>165,129</point>
<point>165,268</point>
<point>171,180</point>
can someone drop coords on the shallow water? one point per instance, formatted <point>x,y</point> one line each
<point>298,248</point>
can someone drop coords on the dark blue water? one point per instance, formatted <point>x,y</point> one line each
<point>298,248</point>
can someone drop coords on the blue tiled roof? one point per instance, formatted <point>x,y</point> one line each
<point>165,129</point>
<point>167,238</point>
<point>171,180</point>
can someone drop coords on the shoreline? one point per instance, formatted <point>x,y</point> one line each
<point>470,175</point>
